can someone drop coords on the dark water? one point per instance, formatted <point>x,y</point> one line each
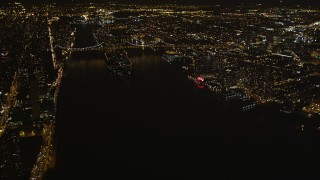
<point>162,127</point>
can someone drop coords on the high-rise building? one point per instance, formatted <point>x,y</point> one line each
<point>34,95</point>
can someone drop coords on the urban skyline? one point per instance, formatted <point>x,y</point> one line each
<point>159,90</point>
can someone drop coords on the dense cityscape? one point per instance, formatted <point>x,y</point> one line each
<point>249,56</point>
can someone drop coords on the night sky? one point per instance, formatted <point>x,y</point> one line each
<point>194,2</point>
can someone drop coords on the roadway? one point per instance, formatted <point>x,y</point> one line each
<point>46,156</point>
<point>51,38</point>
<point>10,101</point>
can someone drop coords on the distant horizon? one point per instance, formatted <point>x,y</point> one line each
<point>184,2</point>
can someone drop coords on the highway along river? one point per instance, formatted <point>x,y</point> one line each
<point>161,126</point>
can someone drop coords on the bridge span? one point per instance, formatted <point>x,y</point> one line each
<point>111,47</point>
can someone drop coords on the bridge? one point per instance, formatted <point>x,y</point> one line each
<point>90,48</point>
<point>110,47</point>
<point>128,45</point>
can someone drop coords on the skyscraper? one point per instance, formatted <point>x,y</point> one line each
<point>34,95</point>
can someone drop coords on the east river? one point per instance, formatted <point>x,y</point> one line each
<point>161,126</point>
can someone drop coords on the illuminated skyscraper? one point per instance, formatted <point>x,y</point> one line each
<point>34,94</point>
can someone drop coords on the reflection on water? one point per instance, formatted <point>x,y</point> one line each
<point>161,127</point>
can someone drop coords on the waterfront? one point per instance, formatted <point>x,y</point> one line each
<point>161,126</point>
<point>236,95</point>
